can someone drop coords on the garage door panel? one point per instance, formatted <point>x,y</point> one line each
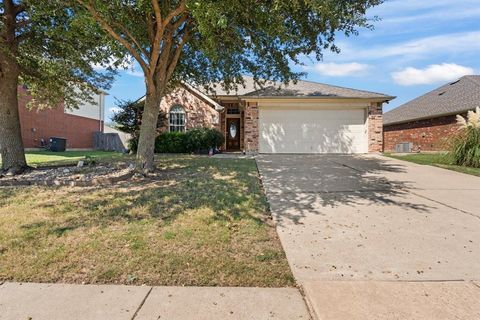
<point>312,131</point>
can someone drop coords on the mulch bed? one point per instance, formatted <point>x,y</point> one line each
<point>86,176</point>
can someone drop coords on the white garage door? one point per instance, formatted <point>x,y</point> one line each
<point>312,131</point>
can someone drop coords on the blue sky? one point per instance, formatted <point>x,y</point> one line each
<point>417,46</point>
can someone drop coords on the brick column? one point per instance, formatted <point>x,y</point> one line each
<point>375,127</point>
<point>251,127</point>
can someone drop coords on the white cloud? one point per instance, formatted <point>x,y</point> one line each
<point>404,7</point>
<point>433,17</point>
<point>421,48</point>
<point>114,109</point>
<point>340,69</point>
<point>432,74</point>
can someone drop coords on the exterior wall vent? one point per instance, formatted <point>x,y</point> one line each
<point>404,147</point>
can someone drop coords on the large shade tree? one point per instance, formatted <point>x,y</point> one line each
<point>205,41</point>
<point>52,52</point>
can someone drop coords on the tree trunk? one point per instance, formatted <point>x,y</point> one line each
<point>11,144</point>
<point>148,133</point>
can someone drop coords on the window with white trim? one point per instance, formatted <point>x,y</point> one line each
<point>176,119</point>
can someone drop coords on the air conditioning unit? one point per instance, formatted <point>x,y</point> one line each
<point>404,147</point>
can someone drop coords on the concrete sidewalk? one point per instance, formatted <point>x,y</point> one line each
<point>22,301</point>
<point>393,300</point>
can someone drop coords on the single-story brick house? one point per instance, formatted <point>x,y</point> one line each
<point>425,123</point>
<point>76,125</point>
<point>305,117</point>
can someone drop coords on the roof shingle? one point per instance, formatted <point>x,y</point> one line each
<point>300,89</point>
<point>455,97</point>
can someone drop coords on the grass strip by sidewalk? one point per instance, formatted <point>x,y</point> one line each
<point>435,159</point>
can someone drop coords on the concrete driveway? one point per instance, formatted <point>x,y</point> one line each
<point>367,219</point>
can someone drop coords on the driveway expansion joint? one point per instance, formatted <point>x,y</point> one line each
<point>444,204</point>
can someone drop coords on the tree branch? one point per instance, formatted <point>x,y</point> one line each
<point>9,16</point>
<point>179,22</point>
<point>178,51</point>
<point>158,15</point>
<point>105,26</point>
<point>150,30</point>
<point>163,60</point>
<point>158,35</point>
<point>132,38</point>
<point>182,7</point>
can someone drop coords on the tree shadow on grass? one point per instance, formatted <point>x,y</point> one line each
<point>229,188</point>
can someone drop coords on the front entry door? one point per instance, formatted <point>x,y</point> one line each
<point>233,134</point>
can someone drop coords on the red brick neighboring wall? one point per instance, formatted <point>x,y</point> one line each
<point>251,127</point>
<point>198,112</point>
<point>426,135</point>
<point>37,124</point>
<point>375,127</point>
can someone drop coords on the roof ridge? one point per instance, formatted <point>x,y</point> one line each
<point>279,84</point>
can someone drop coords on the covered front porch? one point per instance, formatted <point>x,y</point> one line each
<point>232,125</point>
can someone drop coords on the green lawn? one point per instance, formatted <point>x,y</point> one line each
<point>203,221</point>
<point>46,158</point>
<point>438,160</point>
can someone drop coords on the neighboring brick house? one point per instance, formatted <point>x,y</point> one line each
<point>305,117</point>
<point>77,125</point>
<point>427,122</point>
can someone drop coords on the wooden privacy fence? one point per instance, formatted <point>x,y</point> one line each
<point>108,142</point>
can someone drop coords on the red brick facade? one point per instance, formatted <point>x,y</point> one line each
<point>251,127</point>
<point>375,127</point>
<point>43,124</point>
<point>425,135</point>
<point>198,113</point>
